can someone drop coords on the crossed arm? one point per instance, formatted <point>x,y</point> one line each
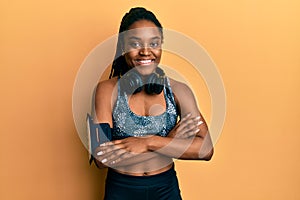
<point>189,139</point>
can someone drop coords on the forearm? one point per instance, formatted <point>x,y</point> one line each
<point>135,159</point>
<point>119,153</point>
<point>196,148</point>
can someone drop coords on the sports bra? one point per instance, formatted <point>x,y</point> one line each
<point>126,123</point>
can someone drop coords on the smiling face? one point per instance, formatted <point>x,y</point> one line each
<point>142,44</point>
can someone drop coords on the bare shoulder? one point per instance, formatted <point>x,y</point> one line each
<point>184,98</point>
<point>104,99</point>
<point>180,88</point>
<point>106,87</point>
<point>106,92</point>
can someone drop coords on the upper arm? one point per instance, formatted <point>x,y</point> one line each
<point>187,103</point>
<point>104,101</point>
<point>185,99</point>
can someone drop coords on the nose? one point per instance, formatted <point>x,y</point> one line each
<point>145,51</point>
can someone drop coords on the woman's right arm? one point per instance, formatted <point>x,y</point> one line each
<point>103,106</point>
<point>105,97</point>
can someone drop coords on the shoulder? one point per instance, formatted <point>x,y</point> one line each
<point>106,87</point>
<point>104,98</point>
<point>184,98</point>
<point>180,88</point>
<point>106,92</point>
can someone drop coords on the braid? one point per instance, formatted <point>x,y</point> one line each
<point>119,65</point>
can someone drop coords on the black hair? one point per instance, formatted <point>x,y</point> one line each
<point>119,65</point>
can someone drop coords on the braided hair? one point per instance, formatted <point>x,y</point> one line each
<point>119,65</point>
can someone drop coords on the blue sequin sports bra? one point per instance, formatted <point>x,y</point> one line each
<point>126,123</point>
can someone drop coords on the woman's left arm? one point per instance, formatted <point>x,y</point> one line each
<point>198,146</point>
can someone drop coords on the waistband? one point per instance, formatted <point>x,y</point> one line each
<point>157,179</point>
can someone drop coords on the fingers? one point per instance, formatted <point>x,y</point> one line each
<point>189,123</point>
<point>181,121</point>
<point>111,153</point>
<point>112,143</point>
<point>188,126</point>
<point>189,133</point>
<point>186,117</point>
<point>113,157</point>
<point>108,157</point>
<point>121,157</point>
<point>108,148</point>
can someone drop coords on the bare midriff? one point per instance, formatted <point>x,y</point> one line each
<point>153,166</point>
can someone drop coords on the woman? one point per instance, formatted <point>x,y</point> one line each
<point>141,106</point>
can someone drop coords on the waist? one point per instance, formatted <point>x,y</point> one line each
<point>163,175</point>
<point>152,166</point>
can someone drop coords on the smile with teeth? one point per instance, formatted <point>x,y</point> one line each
<point>145,62</point>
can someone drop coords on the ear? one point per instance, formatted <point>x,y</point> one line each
<point>123,50</point>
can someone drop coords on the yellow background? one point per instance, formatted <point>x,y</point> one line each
<point>255,45</point>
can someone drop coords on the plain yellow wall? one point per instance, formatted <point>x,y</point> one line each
<point>255,45</point>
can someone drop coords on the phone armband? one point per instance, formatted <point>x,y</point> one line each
<point>98,133</point>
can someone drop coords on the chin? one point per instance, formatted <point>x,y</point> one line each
<point>145,70</point>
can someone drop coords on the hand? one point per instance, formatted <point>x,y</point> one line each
<point>187,127</point>
<point>111,153</point>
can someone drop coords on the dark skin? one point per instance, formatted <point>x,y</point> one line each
<point>189,139</point>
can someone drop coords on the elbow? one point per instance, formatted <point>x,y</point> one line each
<point>99,164</point>
<point>207,149</point>
<point>209,155</point>
<point>206,155</point>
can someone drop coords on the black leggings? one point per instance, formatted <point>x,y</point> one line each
<point>163,186</point>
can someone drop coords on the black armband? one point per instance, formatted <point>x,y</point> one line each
<point>98,133</point>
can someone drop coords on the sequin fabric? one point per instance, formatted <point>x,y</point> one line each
<point>126,123</point>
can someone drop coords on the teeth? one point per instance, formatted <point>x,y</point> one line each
<point>145,61</point>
